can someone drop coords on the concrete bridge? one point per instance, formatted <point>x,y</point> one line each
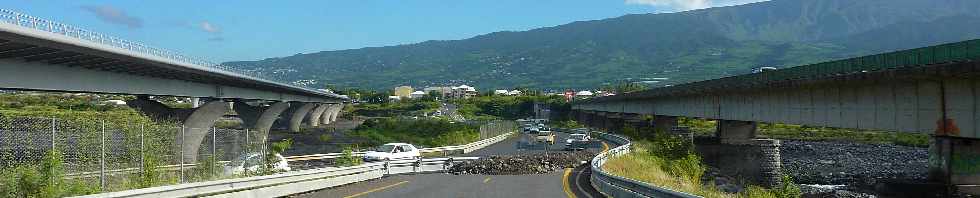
<point>43,55</point>
<point>931,90</point>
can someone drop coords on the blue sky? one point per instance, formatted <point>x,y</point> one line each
<point>223,30</point>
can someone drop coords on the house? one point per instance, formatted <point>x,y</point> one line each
<point>500,92</point>
<point>417,94</point>
<point>584,94</point>
<point>514,93</point>
<point>464,91</point>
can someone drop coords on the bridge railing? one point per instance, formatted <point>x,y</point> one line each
<point>37,23</point>
<point>964,51</point>
<point>617,186</point>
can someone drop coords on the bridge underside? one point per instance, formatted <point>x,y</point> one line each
<point>940,100</point>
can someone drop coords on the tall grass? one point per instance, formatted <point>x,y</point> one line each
<point>702,127</point>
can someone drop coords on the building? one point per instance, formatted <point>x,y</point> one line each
<point>500,92</point>
<point>464,91</point>
<point>417,94</point>
<point>514,93</point>
<point>404,91</point>
<point>584,94</point>
<point>442,92</point>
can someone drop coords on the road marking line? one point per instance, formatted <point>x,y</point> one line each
<point>605,147</point>
<point>564,182</point>
<point>486,180</point>
<point>376,189</point>
<point>578,183</point>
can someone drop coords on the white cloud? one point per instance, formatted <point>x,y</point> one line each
<point>208,27</point>
<point>113,15</point>
<point>684,5</point>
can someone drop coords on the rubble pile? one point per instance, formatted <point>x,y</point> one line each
<point>536,163</point>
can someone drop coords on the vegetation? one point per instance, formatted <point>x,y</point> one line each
<point>668,161</point>
<point>801,132</point>
<point>44,180</point>
<point>422,132</point>
<point>406,107</point>
<point>348,158</point>
<point>508,107</point>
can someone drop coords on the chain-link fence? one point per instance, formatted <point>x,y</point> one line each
<point>113,156</point>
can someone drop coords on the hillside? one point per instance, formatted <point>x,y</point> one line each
<point>684,46</point>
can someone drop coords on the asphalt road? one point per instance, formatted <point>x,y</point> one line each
<point>568,183</point>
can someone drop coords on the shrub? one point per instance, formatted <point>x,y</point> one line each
<point>348,158</point>
<point>44,180</point>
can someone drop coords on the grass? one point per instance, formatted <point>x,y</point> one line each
<point>702,127</point>
<point>682,174</point>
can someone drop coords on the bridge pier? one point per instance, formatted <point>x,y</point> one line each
<point>314,118</point>
<point>636,120</point>
<point>260,118</point>
<point>196,122</point>
<point>296,113</point>
<point>664,123</point>
<point>955,161</point>
<point>337,108</point>
<point>736,151</point>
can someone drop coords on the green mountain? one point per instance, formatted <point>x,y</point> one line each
<point>683,47</point>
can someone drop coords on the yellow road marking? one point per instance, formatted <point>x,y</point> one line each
<point>376,189</point>
<point>605,147</point>
<point>486,180</point>
<point>565,186</point>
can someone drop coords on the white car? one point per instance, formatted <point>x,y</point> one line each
<point>393,151</point>
<point>253,162</point>
<point>577,141</point>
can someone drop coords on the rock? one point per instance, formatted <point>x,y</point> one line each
<point>537,163</point>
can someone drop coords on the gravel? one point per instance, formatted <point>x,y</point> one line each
<point>852,164</point>
<point>536,163</point>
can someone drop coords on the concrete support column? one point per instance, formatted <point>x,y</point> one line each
<point>636,120</point>
<point>733,130</point>
<point>757,160</point>
<point>338,108</point>
<point>260,118</point>
<point>664,123</point>
<point>316,113</point>
<point>296,113</point>
<point>615,122</point>
<point>197,122</point>
<point>955,161</point>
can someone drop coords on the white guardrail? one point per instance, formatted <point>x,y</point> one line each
<point>616,186</point>
<point>294,182</point>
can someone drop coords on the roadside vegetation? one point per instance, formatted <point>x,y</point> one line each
<point>668,161</point>
<point>808,133</point>
<point>493,107</point>
<point>420,132</point>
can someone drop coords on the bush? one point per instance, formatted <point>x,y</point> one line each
<point>325,137</point>
<point>348,158</point>
<point>422,132</point>
<point>44,180</point>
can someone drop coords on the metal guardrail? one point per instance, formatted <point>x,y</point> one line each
<point>40,24</point>
<point>466,148</point>
<point>293,182</point>
<point>616,186</point>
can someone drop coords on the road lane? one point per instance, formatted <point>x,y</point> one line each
<point>446,185</point>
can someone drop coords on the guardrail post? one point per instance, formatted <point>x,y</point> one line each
<point>214,157</point>
<point>387,170</point>
<point>245,165</point>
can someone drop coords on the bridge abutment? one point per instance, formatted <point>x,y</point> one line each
<point>736,151</point>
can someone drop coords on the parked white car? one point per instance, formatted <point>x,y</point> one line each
<point>253,162</point>
<point>393,151</point>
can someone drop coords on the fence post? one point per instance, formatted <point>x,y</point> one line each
<point>244,164</point>
<point>53,129</point>
<point>142,151</point>
<point>102,159</point>
<point>214,157</point>
<point>180,151</point>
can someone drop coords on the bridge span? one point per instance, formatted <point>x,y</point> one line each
<point>44,55</point>
<point>932,90</point>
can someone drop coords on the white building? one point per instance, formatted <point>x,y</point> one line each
<point>464,91</point>
<point>500,92</point>
<point>417,94</point>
